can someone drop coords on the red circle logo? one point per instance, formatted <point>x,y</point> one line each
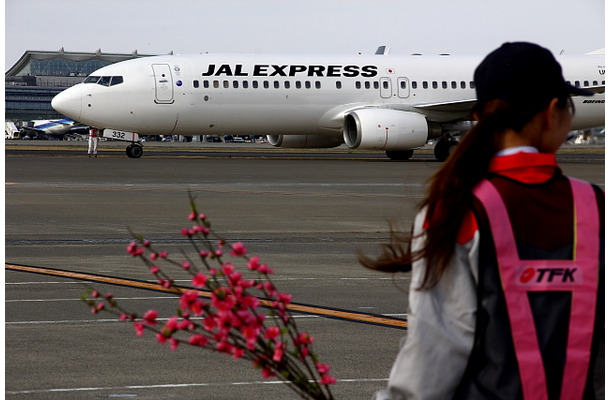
<point>527,274</point>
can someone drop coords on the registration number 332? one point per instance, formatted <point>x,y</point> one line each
<point>120,135</point>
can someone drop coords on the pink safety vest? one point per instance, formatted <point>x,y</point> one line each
<point>579,276</point>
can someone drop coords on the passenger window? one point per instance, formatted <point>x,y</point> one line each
<point>463,85</point>
<point>255,84</point>
<point>376,85</point>
<point>216,84</point>
<point>225,84</point>
<point>195,84</point>
<point>453,85</point>
<point>577,83</point>
<point>586,83</point>
<point>245,84</point>
<point>358,85</point>
<point>298,84</point>
<point>434,85</point>
<point>287,84</point>
<point>276,84</point>
<point>414,85</point>
<point>367,85</point>
<point>425,84</point>
<point>206,84</point>
<point>339,86</point>
<point>92,79</point>
<point>235,85</point>
<point>472,84</point>
<point>266,84</point>
<point>307,85</point>
<point>318,85</point>
<point>595,83</point>
<point>104,81</point>
<point>444,84</point>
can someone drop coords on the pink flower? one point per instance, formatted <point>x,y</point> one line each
<point>173,343</point>
<point>186,265</point>
<point>228,269</point>
<point>327,380</point>
<point>163,254</point>
<point>192,216</point>
<point>303,338</point>
<point>278,354</point>
<point>284,298</point>
<point>267,373</point>
<point>172,324</point>
<point>253,263</point>
<point>139,327</point>
<point>199,280</point>
<point>265,270</point>
<point>150,317</point>
<point>238,352</point>
<point>209,323</point>
<point>161,338</point>
<point>322,368</point>
<point>199,340</point>
<point>154,270</point>
<point>238,249</point>
<point>189,301</point>
<point>272,332</point>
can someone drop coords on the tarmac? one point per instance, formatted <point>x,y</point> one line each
<point>306,213</point>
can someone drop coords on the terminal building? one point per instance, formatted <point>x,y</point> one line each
<point>38,76</point>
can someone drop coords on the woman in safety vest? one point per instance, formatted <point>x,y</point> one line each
<point>507,254</point>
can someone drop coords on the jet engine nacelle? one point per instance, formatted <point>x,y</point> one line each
<point>304,141</point>
<point>384,129</point>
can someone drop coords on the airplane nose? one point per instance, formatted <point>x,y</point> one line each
<point>69,102</point>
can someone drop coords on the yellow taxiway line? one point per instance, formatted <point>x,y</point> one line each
<point>301,308</point>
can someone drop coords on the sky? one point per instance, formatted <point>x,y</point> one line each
<point>304,26</point>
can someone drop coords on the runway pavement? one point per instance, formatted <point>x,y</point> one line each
<point>305,215</point>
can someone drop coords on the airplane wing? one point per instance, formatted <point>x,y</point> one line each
<point>596,89</point>
<point>458,106</point>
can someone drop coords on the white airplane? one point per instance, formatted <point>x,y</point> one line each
<point>53,127</point>
<point>383,102</point>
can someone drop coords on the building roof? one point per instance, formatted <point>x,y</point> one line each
<point>64,63</point>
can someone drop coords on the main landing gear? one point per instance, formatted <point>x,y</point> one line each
<point>444,147</point>
<point>134,150</point>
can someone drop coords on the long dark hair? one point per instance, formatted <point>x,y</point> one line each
<point>449,193</point>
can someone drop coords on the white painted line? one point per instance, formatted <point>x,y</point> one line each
<point>170,386</point>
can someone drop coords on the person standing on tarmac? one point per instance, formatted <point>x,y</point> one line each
<point>506,253</point>
<point>93,139</point>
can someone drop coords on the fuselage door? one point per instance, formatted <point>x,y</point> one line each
<point>403,88</point>
<point>386,87</point>
<point>164,87</point>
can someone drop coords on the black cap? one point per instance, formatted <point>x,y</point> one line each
<point>524,74</point>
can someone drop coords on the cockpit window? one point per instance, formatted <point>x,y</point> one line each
<point>116,80</point>
<point>104,80</point>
